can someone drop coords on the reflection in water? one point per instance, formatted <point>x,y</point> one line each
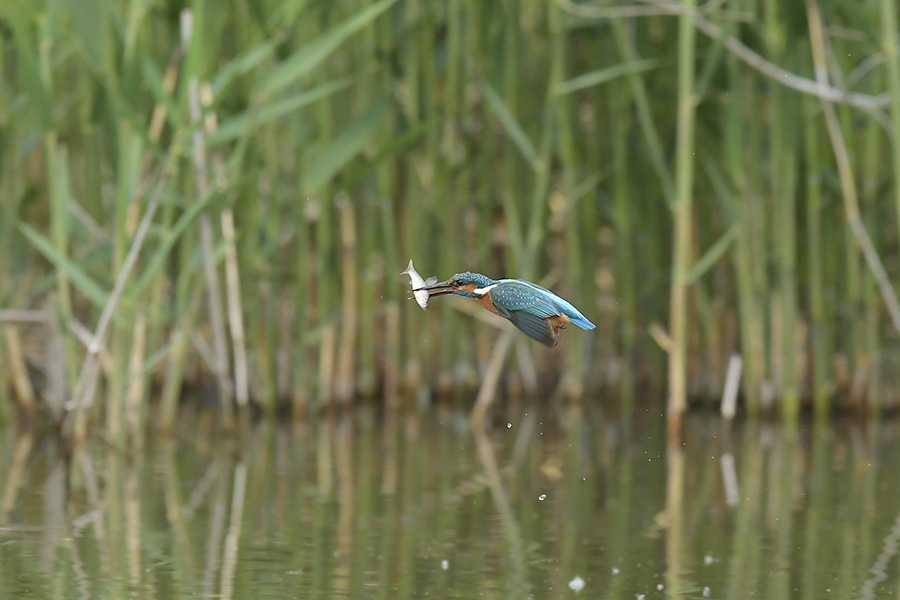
<point>21,450</point>
<point>409,505</point>
<point>674,519</point>
<point>504,509</point>
<point>879,569</point>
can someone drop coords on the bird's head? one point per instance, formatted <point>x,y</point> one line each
<point>468,285</point>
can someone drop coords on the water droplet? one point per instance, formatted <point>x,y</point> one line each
<point>509,425</point>
<point>542,497</point>
<point>577,584</point>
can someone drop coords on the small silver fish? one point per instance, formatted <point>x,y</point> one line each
<point>417,282</point>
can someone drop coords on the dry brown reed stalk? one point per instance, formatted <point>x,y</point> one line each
<point>235,311</point>
<point>170,78</point>
<point>845,169</point>
<point>232,270</point>
<point>56,392</point>
<point>24,393</point>
<point>83,395</point>
<point>220,363</point>
<point>345,384</point>
<point>12,315</point>
<point>284,376</point>
<point>136,378</point>
<point>391,363</point>
<point>683,217</point>
<point>326,365</point>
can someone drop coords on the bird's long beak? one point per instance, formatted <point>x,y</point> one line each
<point>440,288</point>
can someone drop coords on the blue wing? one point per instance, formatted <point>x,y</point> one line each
<point>545,302</point>
<point>532,309</point>
<point>535,327</point>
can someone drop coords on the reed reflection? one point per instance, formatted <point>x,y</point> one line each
<point>405,504</point>
<point>14,475</point>
<point>511,530</point>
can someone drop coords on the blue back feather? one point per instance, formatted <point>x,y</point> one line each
<point>515,294</point>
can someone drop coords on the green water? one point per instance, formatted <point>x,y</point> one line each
<point>416,506</point>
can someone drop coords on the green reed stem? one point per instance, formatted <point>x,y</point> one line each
<point>573,378</point>
<point>891,45</point>
<point>821,329</point>
<point>853,281</point>
<point>58,176</point>
<point>746,255</point>
<point>643,105</point>
<point>872,150</point>
<point>683,216</point>
<point>781,175</point>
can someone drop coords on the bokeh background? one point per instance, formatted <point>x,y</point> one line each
<point>702,182</point>
<point>204,210</point>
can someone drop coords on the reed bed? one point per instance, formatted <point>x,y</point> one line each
<point>218,201</point>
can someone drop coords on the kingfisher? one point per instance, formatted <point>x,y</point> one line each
<point>536,311</point>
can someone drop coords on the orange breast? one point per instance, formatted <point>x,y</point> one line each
<point>486,302</point>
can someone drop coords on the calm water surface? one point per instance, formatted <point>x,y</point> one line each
<point>416,506</point>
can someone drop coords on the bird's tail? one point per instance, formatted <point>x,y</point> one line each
<point>574,314</point>
<point>580,320</point>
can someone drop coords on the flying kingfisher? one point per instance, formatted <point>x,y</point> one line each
<point>536,311</point>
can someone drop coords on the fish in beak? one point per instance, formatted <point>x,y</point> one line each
<point>419,285</point>
<point>440,288</point>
